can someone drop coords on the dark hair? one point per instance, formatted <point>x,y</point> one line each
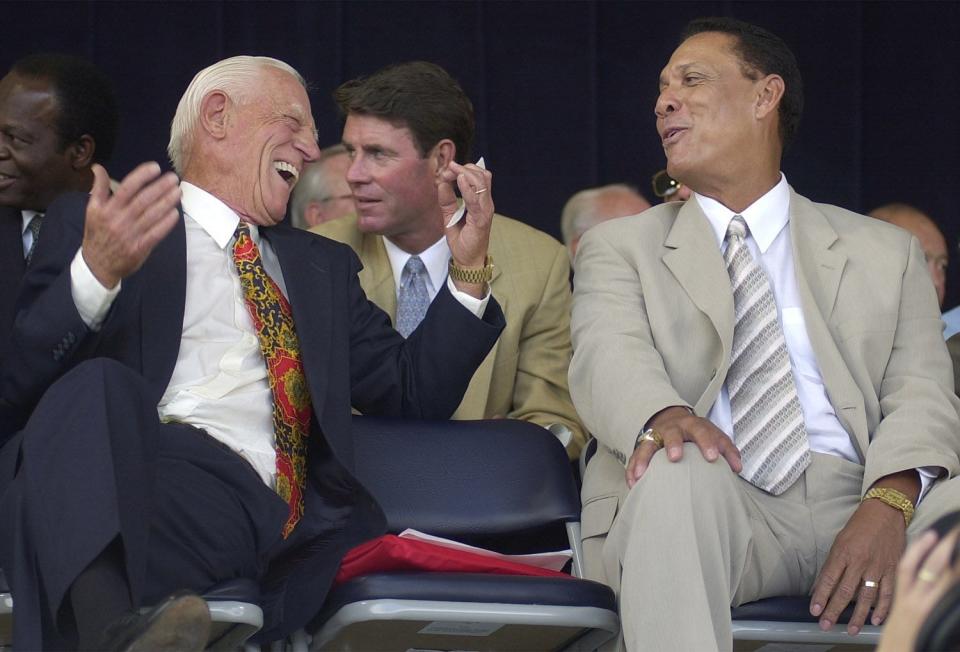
<point>418,95</point>
<point>87,104</point>
<point>762,53</point>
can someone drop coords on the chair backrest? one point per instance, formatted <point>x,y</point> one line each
<point>501,483</point>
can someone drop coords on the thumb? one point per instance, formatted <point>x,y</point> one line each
<point>101,184</point>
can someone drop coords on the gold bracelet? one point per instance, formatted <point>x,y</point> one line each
<point>476,275</point>
<point>893,498</point>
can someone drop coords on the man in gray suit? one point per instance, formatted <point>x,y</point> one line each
<point>785,355</point>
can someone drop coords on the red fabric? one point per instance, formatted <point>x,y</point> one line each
<point>392,553</point>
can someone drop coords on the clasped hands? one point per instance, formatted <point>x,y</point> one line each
<point>863,559</point>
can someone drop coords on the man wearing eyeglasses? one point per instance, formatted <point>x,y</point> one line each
<point>766,375</point>
<point>669,189</point>
<point>322,194</point>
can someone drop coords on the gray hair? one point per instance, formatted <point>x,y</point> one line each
<point>235,76</point>
<point>580,211</point>
<point>313,185</point>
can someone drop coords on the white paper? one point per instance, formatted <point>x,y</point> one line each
<point>463,207</point>
<point>549,560</point>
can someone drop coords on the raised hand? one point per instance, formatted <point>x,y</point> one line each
<point>123,228</point>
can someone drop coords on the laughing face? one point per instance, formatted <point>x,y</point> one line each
<point>34,168</point>
<point>270,136</point>
<point>706,111</point>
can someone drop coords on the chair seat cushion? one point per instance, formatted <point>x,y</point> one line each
<point>471,587</point>
<point>791,609</point>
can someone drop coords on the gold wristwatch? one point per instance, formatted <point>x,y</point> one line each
<point>475,275</point>
<point>894,498</point>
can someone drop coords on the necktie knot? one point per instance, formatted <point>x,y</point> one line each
<point>414,267</point>
<point>737,228</point>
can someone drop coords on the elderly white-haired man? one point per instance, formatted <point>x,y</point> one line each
<point>589,207</point>
<point>192,423</point>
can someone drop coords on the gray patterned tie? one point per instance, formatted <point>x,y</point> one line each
<point>413,300</point>
<point>34,227</point>
<point>767,419</point>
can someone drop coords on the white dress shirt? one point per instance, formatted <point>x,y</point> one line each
<point>25,233</point>
<point>435,258</point>
<point>770,245</point>
<point>220,382</point>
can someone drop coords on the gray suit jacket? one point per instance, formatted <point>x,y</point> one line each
<point>653,323</point>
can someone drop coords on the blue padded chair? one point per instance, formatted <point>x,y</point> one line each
<point>781,619</point>
<point>500,484</point>
<point>233,610</point>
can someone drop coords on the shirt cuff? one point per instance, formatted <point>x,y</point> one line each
<point>92,300</point>
<point>927,475</point>
<point>471,303</point>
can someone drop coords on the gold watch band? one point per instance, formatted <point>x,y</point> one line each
<point>475,275</point>
<point>893,498</point>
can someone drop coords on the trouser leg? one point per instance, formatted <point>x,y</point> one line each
<point>692,538</point>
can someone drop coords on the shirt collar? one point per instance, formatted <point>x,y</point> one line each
<point>765,217</point>
<point>435,258</point>
<point>216,218</point>
<point>27,217</point>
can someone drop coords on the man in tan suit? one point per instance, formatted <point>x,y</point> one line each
<point>404,124</point>
<point>699,499</point>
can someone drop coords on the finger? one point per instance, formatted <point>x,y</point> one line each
<point>730,453</point>
<point>160,194</point>
<point>826,582</point>
<point>101,185</point>
<point>866,598</point>
<point>842,594</point>
<point>884,600</point>
<point>673,439</point>
<point>640,462</point>
<point>133,182</point>
<point>910,562</point>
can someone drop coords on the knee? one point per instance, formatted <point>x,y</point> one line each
<point>692,480</point>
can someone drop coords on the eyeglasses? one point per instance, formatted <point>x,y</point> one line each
<point>324,200</point>
<point>664,185</point>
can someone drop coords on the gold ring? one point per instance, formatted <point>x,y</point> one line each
<point>479,190</point>
<point>651,435</point>
<point>926,575</point>
<point>870,584</point>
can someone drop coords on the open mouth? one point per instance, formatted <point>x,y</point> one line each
<point>672,134</point>
<point>287,171</point>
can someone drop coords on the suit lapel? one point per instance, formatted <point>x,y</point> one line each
<point>377,276</point>
<point>819,271</point>
<point>162,287</point>
<point>696,263</point>
<point>307,279</point>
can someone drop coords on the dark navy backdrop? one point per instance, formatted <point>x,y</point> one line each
<point>564,91</point>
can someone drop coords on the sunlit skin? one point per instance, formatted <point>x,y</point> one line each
<point>34,167</point>
<point>719,128</point>
<point>243,143</point>
<point>394,187</point>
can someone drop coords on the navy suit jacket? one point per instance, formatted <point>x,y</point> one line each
<point>352,355</point>
<point>11,269</point>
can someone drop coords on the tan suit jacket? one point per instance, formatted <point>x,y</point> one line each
<point>525,375</point>
<point>653,324</point>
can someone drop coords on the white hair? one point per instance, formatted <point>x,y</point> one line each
<point>235,76</point>
<point>581,210</point>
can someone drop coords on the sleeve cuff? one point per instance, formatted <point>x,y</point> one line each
<point>92,300</point>
<point>473,304</point>
<point>927,475</point>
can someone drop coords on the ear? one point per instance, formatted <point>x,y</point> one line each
<point>80,152</point>
<point>214,110</point>
<point>770,92</point>
<point>313,214</point>
<point>442,154</point>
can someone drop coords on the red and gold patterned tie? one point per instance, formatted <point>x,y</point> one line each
<point>273,321</point>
